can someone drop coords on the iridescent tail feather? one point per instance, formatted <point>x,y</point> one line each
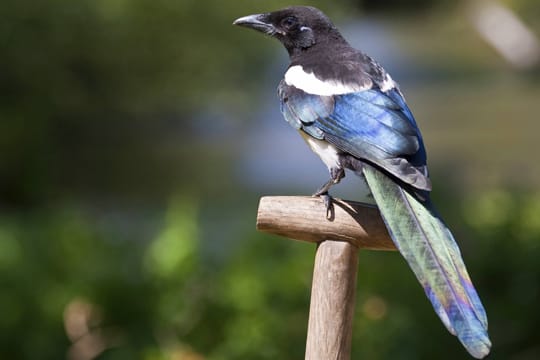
<point>432,253</point>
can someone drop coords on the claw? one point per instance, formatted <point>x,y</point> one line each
<point>328,204</point>
<point>327,200</point>
<point>336,174</point>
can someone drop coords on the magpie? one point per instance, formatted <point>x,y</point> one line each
<point>353,115</point>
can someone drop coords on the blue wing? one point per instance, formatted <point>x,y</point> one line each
<point>370,125</point>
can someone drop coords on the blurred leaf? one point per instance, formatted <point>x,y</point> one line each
<point>172,253</point>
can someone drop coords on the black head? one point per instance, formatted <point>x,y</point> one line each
<point>298,27</point>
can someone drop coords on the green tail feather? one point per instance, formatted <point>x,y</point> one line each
<point>432,253</point>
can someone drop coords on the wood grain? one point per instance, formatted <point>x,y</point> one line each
<point>332,301</point>
<point>304,218</point>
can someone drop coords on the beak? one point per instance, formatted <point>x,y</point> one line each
<point>257,22</point>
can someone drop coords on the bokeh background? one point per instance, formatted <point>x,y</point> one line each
<point>137,136</point>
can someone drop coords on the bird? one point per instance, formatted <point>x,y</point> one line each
<point>353,115</point>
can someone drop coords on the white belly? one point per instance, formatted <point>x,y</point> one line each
<point>328,153</point>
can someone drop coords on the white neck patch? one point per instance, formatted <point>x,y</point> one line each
<point>309,83</point>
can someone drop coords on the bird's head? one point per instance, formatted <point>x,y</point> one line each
<point>297,27</point>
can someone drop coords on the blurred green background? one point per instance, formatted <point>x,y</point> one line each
<point>137,136</point>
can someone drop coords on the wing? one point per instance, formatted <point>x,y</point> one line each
<point>371,125</point>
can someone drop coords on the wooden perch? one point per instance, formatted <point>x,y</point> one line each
<point>331,309</point>
<point>304,218</point>
<point>352,225</point>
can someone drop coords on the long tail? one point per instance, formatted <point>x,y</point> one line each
<point>432,253</point>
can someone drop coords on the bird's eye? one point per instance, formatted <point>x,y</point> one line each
<point>289,22</point>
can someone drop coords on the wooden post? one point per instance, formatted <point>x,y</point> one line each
<point>352,226</point>
<point>332,301</point>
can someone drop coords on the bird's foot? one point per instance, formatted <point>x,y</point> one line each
<point>336,174</point>
<point>324,189</point>
<point>328,203</point>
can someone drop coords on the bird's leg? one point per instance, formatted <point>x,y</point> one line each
<point>336,174</point>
